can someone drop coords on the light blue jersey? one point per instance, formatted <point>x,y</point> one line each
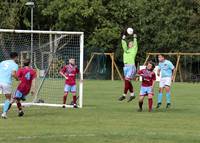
<point>166,68</point>
<point>6,69</point>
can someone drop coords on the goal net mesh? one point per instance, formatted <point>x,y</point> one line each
<point>49,52</point>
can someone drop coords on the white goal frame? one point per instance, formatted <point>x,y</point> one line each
<point>80,66</point>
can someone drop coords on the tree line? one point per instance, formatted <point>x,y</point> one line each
<point>161,25</point>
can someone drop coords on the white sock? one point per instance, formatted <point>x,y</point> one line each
<point>125,95</point>
<point>3,114</point>
<point>132,94</point>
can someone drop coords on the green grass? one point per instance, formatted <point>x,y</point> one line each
<point>105,120</point>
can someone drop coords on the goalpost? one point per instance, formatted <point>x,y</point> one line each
<point>51,50</point>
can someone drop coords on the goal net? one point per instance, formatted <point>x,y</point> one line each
<point>49,51</point>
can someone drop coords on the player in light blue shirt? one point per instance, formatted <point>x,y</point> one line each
<point>8,69</point>
<point>166,72</point>
<point>166,68</point>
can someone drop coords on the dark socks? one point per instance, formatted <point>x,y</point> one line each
<point>74,99</point>
<point>64,99</point>
<point>130,87</point>
<point>19,106</point>
<point>126,86</point>
<point>150,102</point>
<point>140,104</point>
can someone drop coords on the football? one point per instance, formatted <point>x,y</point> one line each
<point>130,31</point>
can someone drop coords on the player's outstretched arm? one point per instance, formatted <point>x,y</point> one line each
<point>124,44</point>
<point>135,44</point>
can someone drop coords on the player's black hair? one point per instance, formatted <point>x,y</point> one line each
<point>13,55</point>
<point>26,62</point>
<point>153,65</point>
<point>162,55</point>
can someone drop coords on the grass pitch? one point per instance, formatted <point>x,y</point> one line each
<point>106,120</point>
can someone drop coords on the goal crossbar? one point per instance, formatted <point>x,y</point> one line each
<point>40,32</point>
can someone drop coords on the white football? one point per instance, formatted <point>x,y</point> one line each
<point>130,31</point>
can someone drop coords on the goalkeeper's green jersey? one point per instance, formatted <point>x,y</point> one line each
<point>129,53</point>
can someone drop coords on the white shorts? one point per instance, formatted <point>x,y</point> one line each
<point>165,81</point>
<point>5,88</point>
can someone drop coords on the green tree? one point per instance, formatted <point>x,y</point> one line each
<point>161,25</point>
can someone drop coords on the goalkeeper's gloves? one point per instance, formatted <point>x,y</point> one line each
<point>124,37</point>
<point>135,35</point>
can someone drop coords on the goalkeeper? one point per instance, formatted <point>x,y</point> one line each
<point>130,52</point>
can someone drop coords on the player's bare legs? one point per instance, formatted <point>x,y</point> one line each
<point>65,99</point>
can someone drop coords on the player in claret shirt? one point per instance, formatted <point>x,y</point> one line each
<point>69,72</point>
<point>148,81</point>
<point>26,75</point>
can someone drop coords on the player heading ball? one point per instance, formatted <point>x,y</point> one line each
<point>129,55</point>
<point>148,81</point>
